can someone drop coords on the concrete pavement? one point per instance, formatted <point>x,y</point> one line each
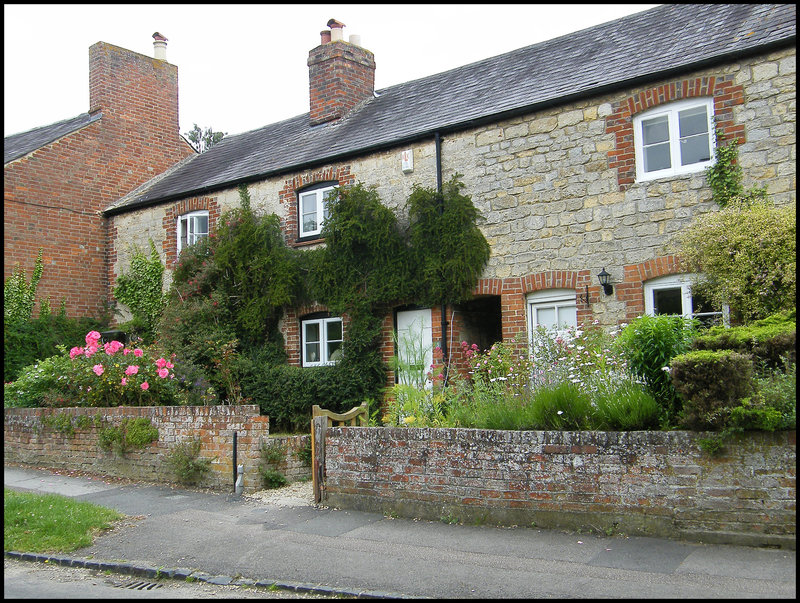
<point>222,538</point>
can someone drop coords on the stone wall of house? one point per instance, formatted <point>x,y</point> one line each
<point>647,483</point>
<point>557,190</point>
<point>30,438</point>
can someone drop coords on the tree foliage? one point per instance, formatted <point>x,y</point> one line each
<point>747,254</point>
<point>202,140</point>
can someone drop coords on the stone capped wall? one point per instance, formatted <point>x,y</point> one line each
<point>647,483</point>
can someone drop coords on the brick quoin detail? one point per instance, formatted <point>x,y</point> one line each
<point>620,123</point>
<point>288,196</point>
<point>631,289</point>
<point>170,222</point>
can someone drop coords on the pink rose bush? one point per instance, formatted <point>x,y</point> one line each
<point>113,374</point>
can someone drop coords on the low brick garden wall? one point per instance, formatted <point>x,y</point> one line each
<point>646,483</point>
<point>29,440</point>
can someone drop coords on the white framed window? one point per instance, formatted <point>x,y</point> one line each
<point>312,210</point>
<point>673,139</point>
<point>555,310</point>
<point>191,228</point>
<point>414,347</point>
<point>321,341</point>
<point>673,295</point>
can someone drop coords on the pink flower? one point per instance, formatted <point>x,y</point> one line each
<point>124,381</point>
<point>76,351</point>
<point>162,372</point>
<point>90,349</point>
<point>92,337</point>
<point>170,365</point>
<point>161,363</point>
<point>98,369</point>
<point>138,353</point>
<point>132,370</point>
<point>112,347</point>
<point>125,352</point>
<point>145,386</point>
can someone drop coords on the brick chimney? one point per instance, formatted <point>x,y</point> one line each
<point>341,75</point>
<point>133,90</point>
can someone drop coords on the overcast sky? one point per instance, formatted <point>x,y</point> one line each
<point>241,67</point>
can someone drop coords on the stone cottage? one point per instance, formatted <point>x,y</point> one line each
<point>585,154</point>
<point>59,178</point>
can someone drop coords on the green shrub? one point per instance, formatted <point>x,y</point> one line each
<point>754,416</point>
<point>272,478</point>
<point>40,383</point>
<point>130,435</point>
<point>287,393</point>
<point>711,383</point>
<point>185,462</point>
<point>747,253</point>
<point>648,344</point>
<point>26,342</point>
<point>778,389</point>
<point>769,340</point>
<point>142,291</point>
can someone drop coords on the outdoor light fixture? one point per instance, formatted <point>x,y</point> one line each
<point>604,277</point>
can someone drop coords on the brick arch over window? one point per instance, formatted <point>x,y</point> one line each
<point>513,292</point>
<point>288,195</point>
<point>631,289</point>
<point>170,222</point>
<point>620,123</point>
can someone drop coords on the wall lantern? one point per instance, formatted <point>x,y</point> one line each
<point>604,277</point>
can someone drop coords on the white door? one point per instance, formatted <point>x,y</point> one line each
<point>414,346</point>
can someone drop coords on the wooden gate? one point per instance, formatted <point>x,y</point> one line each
<point>321,419</point>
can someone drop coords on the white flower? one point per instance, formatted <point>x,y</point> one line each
<point>666,369</point>
<point>560,412</point>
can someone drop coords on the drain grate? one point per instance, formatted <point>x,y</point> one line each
<point>139,585</point>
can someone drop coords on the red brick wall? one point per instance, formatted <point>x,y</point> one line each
<point>53,196</point>
<point>28,441</point>
<point>340,76</point>
<point>650,483</point>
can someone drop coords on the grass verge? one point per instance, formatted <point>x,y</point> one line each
<point>50,523</point>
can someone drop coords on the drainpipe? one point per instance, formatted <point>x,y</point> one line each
<point>438,144</point>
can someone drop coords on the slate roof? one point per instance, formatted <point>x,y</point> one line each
<point>642,47</point>
<point>19,145</point>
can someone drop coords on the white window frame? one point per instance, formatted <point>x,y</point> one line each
<point>321,209</point>
<point>323,341</point>
<point>684,281</point>
<point>557,299</point>
<point>187,222</point>
<point>671,111</point>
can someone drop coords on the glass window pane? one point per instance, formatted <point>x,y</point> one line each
<point>334,329</point>
<point>312,331</point>
<point>657,158</point>
<point>310,223</point>
<point>545,317</point>
<point>693,121</point>
<point>567,317</point>
<point>655,130</point>
<point>312,352</point>
<point>201,225</point>
<point>334,350</point>
<point>695,149</point>
<point>667,301</point>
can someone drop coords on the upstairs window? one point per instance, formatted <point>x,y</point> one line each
<point>674,139</point>
<point>322,341</point>
<point>312,210</point>
<point>191,228</point>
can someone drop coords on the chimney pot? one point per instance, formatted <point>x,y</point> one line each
<point>337,35</point>
<point>355,39</point>
<point>325,35</point>
<point>159,47</point>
